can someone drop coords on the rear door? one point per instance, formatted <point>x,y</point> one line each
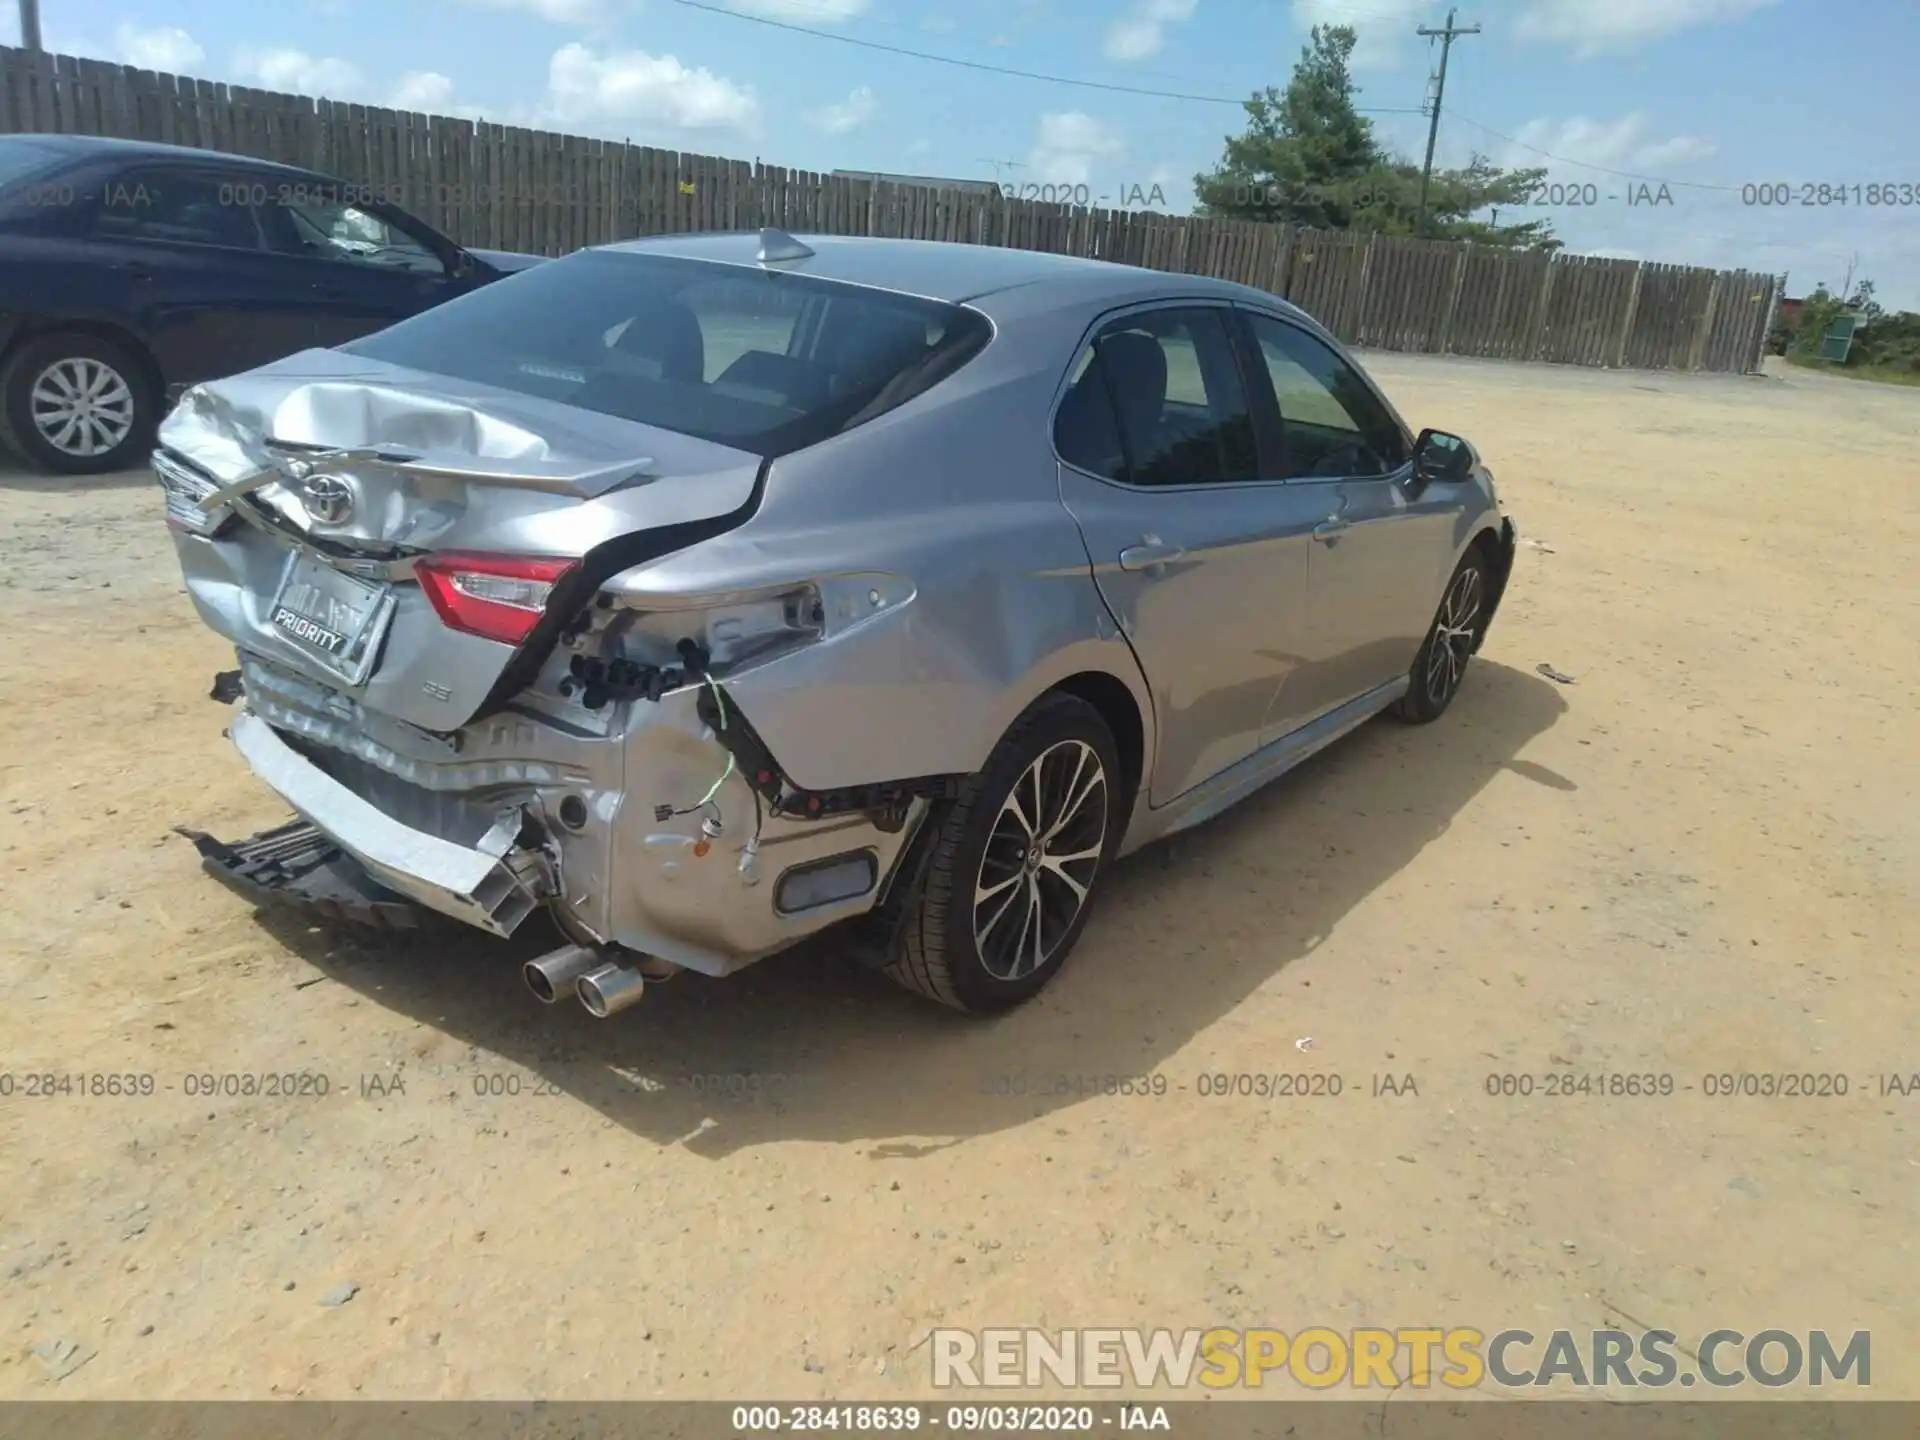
<point>1377,557</point>
<point>1202,561</point>
<point>206,293</point>
<point>366,268</point>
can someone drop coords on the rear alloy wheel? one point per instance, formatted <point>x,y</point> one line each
<point>1040,859</point>
<point>1442,662</point>
<point>1016,863</point>
<point>76,405</point>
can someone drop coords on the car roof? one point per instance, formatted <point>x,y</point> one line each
<point>80,146</point>
<point>947,270</point>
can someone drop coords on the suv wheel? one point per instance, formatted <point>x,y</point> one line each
<point>76,404</point>
<point>1016,863</point>
<point>1457,627</point>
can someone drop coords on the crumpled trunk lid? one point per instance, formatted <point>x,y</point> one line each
<point>340,472</point>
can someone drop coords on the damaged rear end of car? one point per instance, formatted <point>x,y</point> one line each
<point>433,561</point>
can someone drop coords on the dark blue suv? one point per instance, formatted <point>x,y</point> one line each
<point>129,271</point>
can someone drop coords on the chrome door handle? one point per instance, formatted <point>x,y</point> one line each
<point>1149,555</point>
<point>1328,530</point>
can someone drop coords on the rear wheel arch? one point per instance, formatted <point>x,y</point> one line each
<point>952,944</point>
<point>1109,695</point>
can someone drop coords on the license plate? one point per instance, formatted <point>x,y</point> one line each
<point>334,617</point>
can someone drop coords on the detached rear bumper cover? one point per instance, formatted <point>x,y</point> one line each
<point>295,864</point>
<point>493,891</point>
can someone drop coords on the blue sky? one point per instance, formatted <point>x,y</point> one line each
<point>1713,93</point>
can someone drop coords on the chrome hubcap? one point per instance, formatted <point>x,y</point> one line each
<point>81,407</point>
<point>1453,634</point>
<point>1040,860</point>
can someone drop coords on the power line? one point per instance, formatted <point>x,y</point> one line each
<point>989,69</point>
<point>1586,165</point>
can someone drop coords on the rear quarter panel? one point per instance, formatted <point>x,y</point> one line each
<point>957,495</point>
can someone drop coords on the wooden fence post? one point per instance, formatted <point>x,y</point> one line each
<point>1759,358</point>
<point>1626,323</point>
<point>1537,328</point>
<point>1697,345</point>
<point>1453,297</point>
<point>1356,306</point>
<point>1282,262</point>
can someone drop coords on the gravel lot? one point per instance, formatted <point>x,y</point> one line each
<point>1700,857</point>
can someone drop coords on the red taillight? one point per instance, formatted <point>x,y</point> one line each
<point>498,597</point>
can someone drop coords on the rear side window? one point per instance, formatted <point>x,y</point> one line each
<point>1157,399</point>
<point>762,361</point>
<point>1085,430</point>
<point>38,195</point>
<point>21,160</point>
<point>195,207</point>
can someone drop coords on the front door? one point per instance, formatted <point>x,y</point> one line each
<point>1378,553</point>
<point>366,271</point>
<point>1201,562</point>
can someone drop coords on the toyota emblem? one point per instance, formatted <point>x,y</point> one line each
<point>328,498</point>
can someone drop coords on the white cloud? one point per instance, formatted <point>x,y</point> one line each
<point>1593,27</point>
<point>631,85</point>
<point>850,114</point>
<point>802,12</point>
<point>297,72</point>
<point>1068,147</point>
<point>166,48</point>
<point>1382,28</point>
<point>1139,34</point>
<point>938,24</point>
<point>427,91</point>
<point>1621,144</point>
<point>560,12</point>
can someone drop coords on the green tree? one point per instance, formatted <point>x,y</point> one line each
<point>1882,340</point>
<point>1309,157</point>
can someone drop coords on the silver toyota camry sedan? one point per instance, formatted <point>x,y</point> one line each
<point>709,591</point>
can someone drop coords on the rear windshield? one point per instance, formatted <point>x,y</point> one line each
<point>755,359</point>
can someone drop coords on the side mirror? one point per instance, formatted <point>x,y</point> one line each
<point>1442,459</point>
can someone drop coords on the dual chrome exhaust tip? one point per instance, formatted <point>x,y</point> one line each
<point>604,986</point>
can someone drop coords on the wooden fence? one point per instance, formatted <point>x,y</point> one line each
<point>498,187</point>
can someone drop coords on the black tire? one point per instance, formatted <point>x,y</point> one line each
<point>123,411</point>
<point>939,954</point>
<point>1459,623</point>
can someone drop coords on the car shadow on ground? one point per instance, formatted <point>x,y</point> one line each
<point>809,1046</point>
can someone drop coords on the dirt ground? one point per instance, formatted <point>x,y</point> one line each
<point>1700,857</point>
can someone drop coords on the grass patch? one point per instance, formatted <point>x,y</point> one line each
<point>1886,375</point>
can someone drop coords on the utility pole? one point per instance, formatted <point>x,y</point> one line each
<point>999,165</point>
<point>30,25</point>
<point>1439,90</point>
